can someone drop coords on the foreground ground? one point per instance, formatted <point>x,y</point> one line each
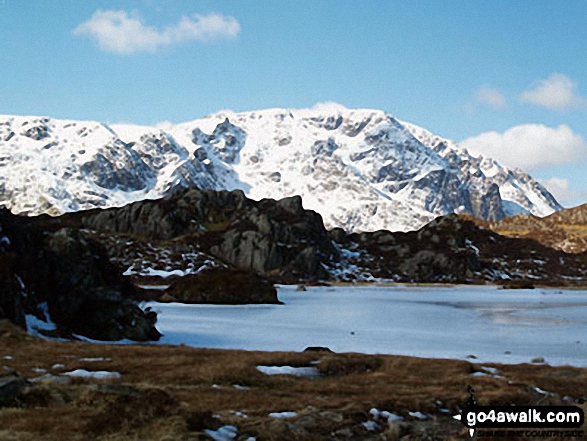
<point>181,393</point>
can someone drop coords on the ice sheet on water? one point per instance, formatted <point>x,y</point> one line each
<point>437,322</point>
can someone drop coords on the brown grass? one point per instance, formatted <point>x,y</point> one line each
<point>176,392</point>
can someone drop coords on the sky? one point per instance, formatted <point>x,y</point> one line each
<point>506,78</point>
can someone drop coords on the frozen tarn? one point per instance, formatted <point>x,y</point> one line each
<point>92,359</point>
<point>438,322</point>
<point>98,375</point>
<point>289,370</point>
<point>284,415</point>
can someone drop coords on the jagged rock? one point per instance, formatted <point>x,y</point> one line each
<point>491,207</point>
<point>11,297</point>
<point>274,238</point>
<point>11,291</point>
<point>453,249</point>
<point>83,291</point>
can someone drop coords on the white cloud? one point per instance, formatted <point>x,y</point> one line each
<point>529,146</point>
<point>329,106</point>
<point>557,92</point>
<point>164,125</point>
<point>562,191</point>
<point>491,96</point>
<point>124,33</point>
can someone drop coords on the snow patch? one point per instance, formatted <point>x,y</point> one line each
<point>98,375</point>
<point>225,433</point>
<point>289,370</point>
<point>284,415</point>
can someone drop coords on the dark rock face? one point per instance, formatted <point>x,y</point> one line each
<point>83,291</point>
<point>278,239</point>
<point>38,131</point>
<point>227,139</point>
<point>11,306</point>
<point>85,294</point>
<point>119,167</point>
<point>452,249</point>
<point>221,286</point>
<point>11,291</point>
<point>490,206</point>
<point>449,192</point>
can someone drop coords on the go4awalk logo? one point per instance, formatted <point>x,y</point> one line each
<point>521,417</point>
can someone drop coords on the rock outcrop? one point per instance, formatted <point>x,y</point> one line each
<point>221,286</point>
<point>69,277</point>
<point>279,239</point>
<point>452,249</point>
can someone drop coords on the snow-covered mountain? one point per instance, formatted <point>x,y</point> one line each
<point>362,170</point>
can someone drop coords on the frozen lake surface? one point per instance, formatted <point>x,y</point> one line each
<point>439,322</point>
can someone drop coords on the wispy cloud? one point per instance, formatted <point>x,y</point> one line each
<point>557,92</point>
<point>529,146</point>
<point>123,33</point>
<point>491,96</point>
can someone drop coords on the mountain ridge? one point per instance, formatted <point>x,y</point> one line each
<point>362,169</point>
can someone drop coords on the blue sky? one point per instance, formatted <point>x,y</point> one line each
<point>462,69</point>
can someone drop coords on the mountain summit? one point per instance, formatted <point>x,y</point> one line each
<point>362,170</point>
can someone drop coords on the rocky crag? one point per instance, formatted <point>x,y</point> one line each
<point>451,249</point>
<point>66,281</point>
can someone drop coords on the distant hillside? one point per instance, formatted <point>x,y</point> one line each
<point>564,230</point>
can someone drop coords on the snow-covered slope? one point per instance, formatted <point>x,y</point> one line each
<point>361,169</point>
